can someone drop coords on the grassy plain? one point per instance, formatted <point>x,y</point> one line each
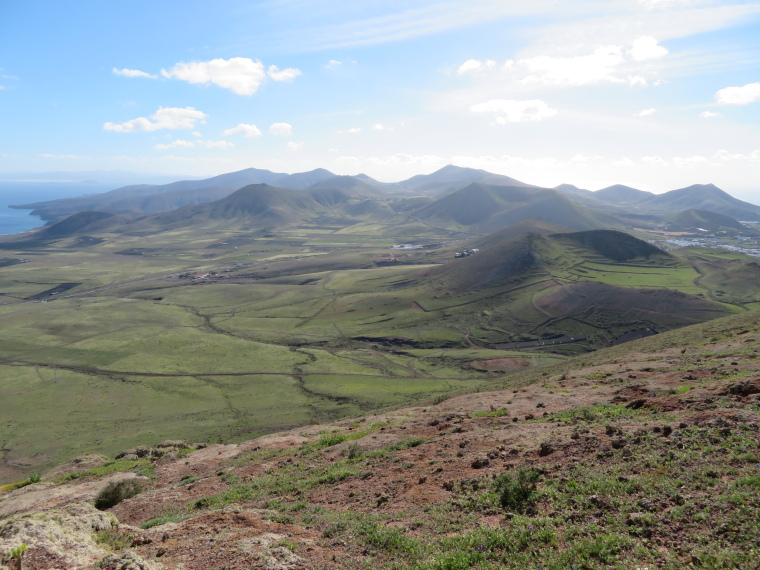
<point>292,329</point>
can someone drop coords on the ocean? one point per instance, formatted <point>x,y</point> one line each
<point>14,221</point>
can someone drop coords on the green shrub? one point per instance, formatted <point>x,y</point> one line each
<point>115,492</point>
<point>517,492</point>
<point>354,451</point>
<point>188,479</point>
<point>167,518</point>
<point>330,439</point>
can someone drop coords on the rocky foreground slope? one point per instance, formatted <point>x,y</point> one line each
<point>644,455</point>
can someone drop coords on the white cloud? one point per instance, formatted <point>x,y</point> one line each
<point>689,161</point>
<point>473,65</point>
<point>178,158</point>
<point>64,156</point>
<point>285,75</point>
<point>249,131</point>
<point>381,127</point>
<point>190,144</point>
<point>645,112</point>
<point>612,63</point>
<point>281,129</point>
<point>175,144</point>
<point>294,145</point>
<point>646,47</point>
<point>133,73</point>
<point>709,115</point>
<point>164,118</point>
<point>654,160</point>
<point>215,160</point>
<point>739,95</point>
<point>404,159</point>
<point>217,144</point>
<point>351,131</point>
<point>333,63</point>
<point>666,3</point>
<point>581,158</point>
<point>596,67</point>
<point>196,134</point>
<point>726,156</point>
<point>240,75</point>
<point>511,111</point>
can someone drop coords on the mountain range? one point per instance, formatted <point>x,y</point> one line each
<point>453,199</point>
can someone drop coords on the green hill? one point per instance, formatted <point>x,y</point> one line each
<point>702,197</point>
<point>515,230</point>
<point>79,224</point>
<point>451,178</point>
<point>130,199</point>
<point>618,193</point>
<point>693,219</point>
<point>618,246</point>
<point>259,204</point>
<point>481,208</point>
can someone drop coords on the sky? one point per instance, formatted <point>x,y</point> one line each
<point>654,94</point>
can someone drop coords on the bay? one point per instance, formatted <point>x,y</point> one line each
<point>13,221</point>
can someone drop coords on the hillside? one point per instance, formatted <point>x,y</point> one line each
<point>129,198</point>
<point>642,455</point>
<point>451,178</point>
<point>259,205</point>
<point>514,230</point>
<point>618,193</point>
<point>614,245</point>
<point>80,224</point>
<point>303,180</point>
<point>507,257</point>
<point>585,196</point>
<point>702,197</point>
<point>694,220</point>
<point>481,208</point>
<point>353,185</point>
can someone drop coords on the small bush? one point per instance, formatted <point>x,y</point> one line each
<point>167,518</point>
<point>188,480</point>
<point>115,539</point>
<point>330,439</point>
<point>33,478</point>
<point>354,451</point>
<point>517,492</point>
<point>407,443</point>
<point>115,492</point>
<point>490,414</point>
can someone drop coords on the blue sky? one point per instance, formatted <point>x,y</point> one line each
<point>657,94</point>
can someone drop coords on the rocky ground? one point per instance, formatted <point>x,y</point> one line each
<point>630,458</point>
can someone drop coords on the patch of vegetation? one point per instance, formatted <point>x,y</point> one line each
<point>31,480</point>
<point>114,538</point>
<point>188,479</point>
<point>595,414</point>
<point>142,467</point>
<point>517,491</point>
<point>170,517</point>
<point>490,414</point>
<point>117,491</point>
